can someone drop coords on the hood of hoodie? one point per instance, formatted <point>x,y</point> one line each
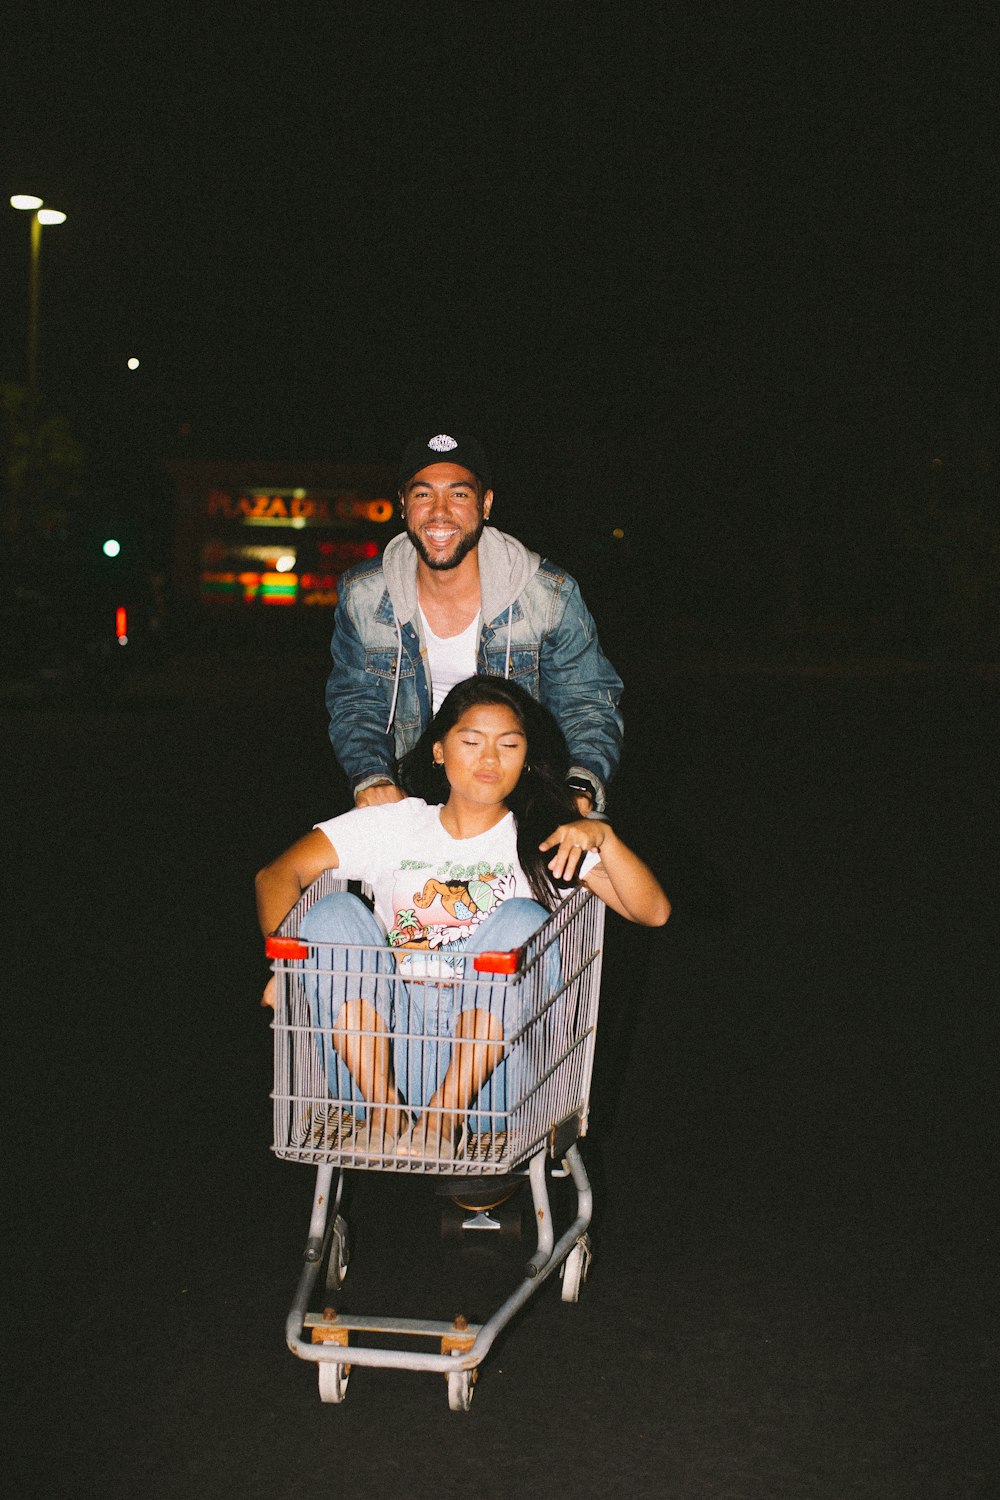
<point>505,566</point>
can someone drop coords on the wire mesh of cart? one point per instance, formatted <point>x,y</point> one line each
<point>535,1061</point>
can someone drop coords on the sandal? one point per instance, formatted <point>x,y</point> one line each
<point>426,1139</point>
<point>379,1139</point>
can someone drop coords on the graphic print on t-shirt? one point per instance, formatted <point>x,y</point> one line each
<point>438,908</point>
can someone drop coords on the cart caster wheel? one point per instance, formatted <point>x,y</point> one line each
<point>461,1385</point>
<point>333,1381</point>
<point>574,1269</point>
<point>339,1257</point>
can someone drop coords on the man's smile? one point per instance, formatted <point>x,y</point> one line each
<point>440,534</point>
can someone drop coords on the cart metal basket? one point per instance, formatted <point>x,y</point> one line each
<point>527,1116</point>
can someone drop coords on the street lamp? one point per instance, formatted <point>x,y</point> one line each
<point>39,215</point>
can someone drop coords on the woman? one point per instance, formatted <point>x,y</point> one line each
<point>472,861</point>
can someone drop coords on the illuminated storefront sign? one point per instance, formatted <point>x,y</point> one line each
<point>296,509</point>
<point>261,536</point>
<point>278,574</point>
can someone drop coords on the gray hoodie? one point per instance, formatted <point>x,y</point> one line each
<point>534,628</point>
<point>505,566</point>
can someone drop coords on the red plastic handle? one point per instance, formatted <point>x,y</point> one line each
<point>498,963</point>
<point>285,947</point>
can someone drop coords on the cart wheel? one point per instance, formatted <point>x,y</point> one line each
<point>340,1255</point>
<point>574,1269</point>
<point>461,1384</point>
<point>332,1381</point>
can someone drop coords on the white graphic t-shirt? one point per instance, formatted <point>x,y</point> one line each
<point>431,891</point>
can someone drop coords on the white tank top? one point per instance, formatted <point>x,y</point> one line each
<point>451,658</point>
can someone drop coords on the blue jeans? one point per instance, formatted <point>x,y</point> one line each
<point>412,1010</point>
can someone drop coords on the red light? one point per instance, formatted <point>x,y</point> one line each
<point>121,621</point>
<point>347,553</point>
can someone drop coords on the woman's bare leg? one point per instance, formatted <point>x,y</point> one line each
<point>362,1041</point>
<point>478,1047</point>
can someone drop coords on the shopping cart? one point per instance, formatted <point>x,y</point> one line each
<point>525,1121</point>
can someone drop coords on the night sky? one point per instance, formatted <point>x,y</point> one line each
<point>731,259</point>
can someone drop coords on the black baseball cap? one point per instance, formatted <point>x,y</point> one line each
<point>444,449</point>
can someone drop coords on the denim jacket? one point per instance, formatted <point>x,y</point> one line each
<point>536,630</point>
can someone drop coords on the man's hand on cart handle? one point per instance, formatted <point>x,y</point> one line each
<point>378,793</point>
<point>571,842</point>
<point>268,996</point>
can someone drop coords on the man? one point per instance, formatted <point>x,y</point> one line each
<point>451,599</point>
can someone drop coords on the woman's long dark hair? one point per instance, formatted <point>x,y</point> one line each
<point>540,801</point>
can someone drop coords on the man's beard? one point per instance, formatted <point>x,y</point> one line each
<point>465,546</point>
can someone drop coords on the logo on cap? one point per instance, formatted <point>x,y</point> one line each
<point>442,443</point>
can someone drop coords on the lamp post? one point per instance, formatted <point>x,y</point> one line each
<point>39,215</point>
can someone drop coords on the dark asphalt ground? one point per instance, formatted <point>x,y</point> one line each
<point>793,1139</point>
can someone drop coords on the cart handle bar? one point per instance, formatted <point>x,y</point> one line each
<point>498,963</point>
<point>285,947</point>
<point>483,963</point>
